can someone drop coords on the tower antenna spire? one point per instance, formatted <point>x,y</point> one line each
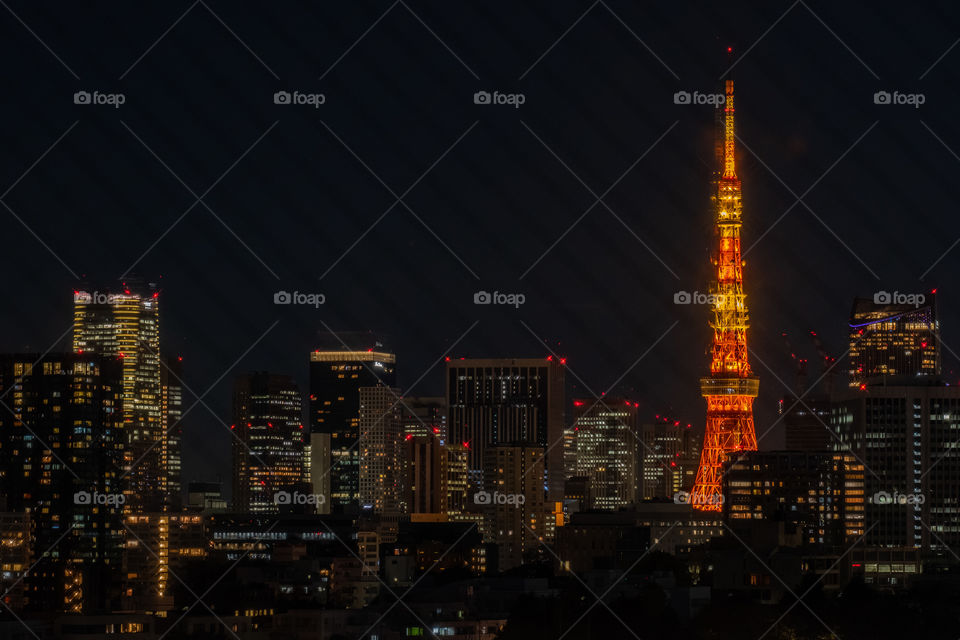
<point>731,386</point>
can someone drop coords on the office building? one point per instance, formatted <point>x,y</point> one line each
<point>424,415</point>
<point>381,452</point>
<point>504,401</point>
<point>606,437</point>
<point>906,437</point>
<point>335,381</point>
<point>171,401</point>
<point>795,498</point>
<point>268,447</point>
<point>126,323</point>
<point>893,339</point>
<point>62,461</point>
<point>517,518</point>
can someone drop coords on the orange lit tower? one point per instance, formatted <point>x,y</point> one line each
<point>731,386</point>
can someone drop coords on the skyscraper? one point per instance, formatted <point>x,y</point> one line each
<point>607,450</point>
<point>171,400</point>
<point>893,341</point>
<point>268,448</point>
<point>126,324</point>
<point>513,499</point>
<point>816,497</point>
<point>498,401</point>
<point>906,438</point>
<point>731,386</point>
<point>335,381</point>
<point>381,452</point>
<point>662,458</point>
<point>62,461</point>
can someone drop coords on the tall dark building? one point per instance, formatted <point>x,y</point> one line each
<point>335,381</point>
<point>806,423</point>
<point>62,461</point>
<point>424,415</point>
<point>906,437</point>
<point>125,323</point>
<point>607,450</point>
<point>794,498</point>
<point>894,339</point>
<point>171,400</point>
<point>268,452</point>
<point>509,401</point>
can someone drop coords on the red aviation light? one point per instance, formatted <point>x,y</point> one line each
<point>563,361</point>
<point>409,437</point>
<point>447,358</point>
<point>549,358</point>
<point>436,430</point>
<point>578,403</point>
<point>466,444</point>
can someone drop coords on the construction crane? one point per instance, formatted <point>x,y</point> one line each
<point>799,363</point>
<point>827,363</point>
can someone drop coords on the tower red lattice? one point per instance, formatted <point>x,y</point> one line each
<point>731,386</point>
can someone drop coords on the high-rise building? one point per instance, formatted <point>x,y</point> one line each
<point>893,342</point>
<point>424,415</point>
<point>731,386</point>
<point>268,448</point>
<point>517,518</point>
<point>171,401</point>
<point>664,458</point>
<point>62,461</point>
<point>436,478</point>
<point>806,422</point>
<point>126,324</point>
<point>381,452</point>
<point>502,401</point>
<point>422,457</point>
<point>906,438</point>
<point>607,450</point>
<point>794,498</point>
<point>335,381</point>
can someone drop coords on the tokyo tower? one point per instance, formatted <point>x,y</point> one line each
<point>731,386</point>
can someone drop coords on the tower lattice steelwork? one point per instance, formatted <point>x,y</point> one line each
<point>731,386</point>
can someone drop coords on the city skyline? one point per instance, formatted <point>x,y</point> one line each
<point>369,321</point>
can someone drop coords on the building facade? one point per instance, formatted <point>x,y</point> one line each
<point>606,438</point>
<point>335,381</point>
<point>498,401</point>
<point>126,323</point>
<point>268,448</point>
<point>906,438</point>
<point>892,340</point>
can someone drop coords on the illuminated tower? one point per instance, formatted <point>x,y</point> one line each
<point>731,386</point>
<point>126,324</point>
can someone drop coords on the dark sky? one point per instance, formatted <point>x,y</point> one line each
<point>598,81</point>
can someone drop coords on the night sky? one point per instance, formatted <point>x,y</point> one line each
<point>293,197</point>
